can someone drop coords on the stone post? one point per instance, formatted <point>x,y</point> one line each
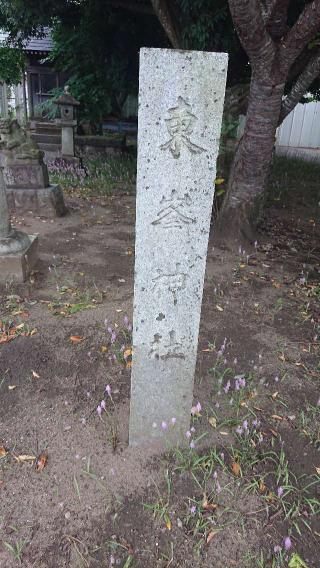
<point>18,251</point>
<point>5,225</point>
<point>181,95</point>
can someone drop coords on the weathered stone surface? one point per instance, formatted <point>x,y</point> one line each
<point>5,226</point>
<point>25,175</point>
<point>47,201</point>
<point>67,141</point>
<point>180,111</point>
<point>17,266</point>
<point>33,176</point>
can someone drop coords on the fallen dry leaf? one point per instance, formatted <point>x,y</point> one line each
<point>318,470</point>
<point>3,451</point>
<point>210,536</point>
<point>262,487</point>
<point>35,375</point>
<point>274,395</point>
<point>24,457</point>
<point>12,387</point>
<point>76,338</point>
<point>236,470</point>
<point>274,432</point>
<point>103,349</point>
<point>277,417</point>
<point>41,462</point>
<point>212,421</point>
<point>209,506</point>
<point>219,308</point>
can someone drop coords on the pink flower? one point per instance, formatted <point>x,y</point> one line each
<point>164,425</point>
<point>193,509</point>
<point>192,445</point>
<point>154,424</point>
<point>287,543</point>
<point>277,549</point>
<point>103,404</point>
<point>227,387</point>
<point>192,429</point>
<point>195,410</point>
<point>99,410</point>
<point>173,421</point>
<point>188,434</point>
<point>108,390</point>
<point>280,492</point>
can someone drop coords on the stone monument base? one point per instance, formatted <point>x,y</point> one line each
<point>47,201</point>
<point>75,160</point>
<point>17,266</point>
<point>30,173</point>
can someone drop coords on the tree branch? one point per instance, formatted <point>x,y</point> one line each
<point>168,22</point>
<point>310,73</point>
<point>248,20</point>
<point>276,23</point>
<point>303,31</point>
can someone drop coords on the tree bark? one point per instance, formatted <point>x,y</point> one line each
<point>311,72</point>
<point>169,24</point>
<point>240,211</point>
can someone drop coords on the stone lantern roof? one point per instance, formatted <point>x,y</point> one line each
<point>66,98</point>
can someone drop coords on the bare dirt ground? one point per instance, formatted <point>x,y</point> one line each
<point>252,480</point>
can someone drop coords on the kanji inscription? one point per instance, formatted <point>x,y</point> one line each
<point>174,211</point>
<point>180,127</point>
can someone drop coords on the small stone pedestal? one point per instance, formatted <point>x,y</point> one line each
<point>45,201</point>
<point>18,251</point>
<point>18,265</point>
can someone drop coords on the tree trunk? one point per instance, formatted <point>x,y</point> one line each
<point>240,211</point>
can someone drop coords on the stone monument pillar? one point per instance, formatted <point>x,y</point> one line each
<point>18,251</point>
<point>26,175</point>
<point>181,95</point>
<point>67,105</point>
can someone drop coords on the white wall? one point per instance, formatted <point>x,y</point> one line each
<point>301,128</point>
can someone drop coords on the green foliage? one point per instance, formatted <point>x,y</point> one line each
<point>208,26</point>
<point>48,108</point>
<point>12,63</point>
<point>99,49</point>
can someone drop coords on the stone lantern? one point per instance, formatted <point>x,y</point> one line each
<point>67,121</point>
